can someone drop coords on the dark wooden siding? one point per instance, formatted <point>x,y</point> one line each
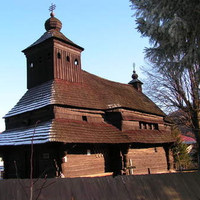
<point>42,66</point>
<point>30,118</point>
<point>67,70</point>
<point>17,161</point>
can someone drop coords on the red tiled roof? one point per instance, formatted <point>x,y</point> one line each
<point>187,140</point>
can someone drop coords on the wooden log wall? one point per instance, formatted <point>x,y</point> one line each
<point>39,65</point>
<point>147,160</point>
<point>83,165</point>
<point>77,114</point>
<point>30,118</point>
<point>130,125</point>
<point>130,120</point>
<point>12,160</point>
<point>17,161</point>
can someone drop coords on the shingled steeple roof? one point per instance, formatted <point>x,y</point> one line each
<point>53,27</point>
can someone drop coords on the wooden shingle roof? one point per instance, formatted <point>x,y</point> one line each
<point>93,93</point>
<point>72,131</point>
<point>51,34</point>
<point>35,98</point>
<point>149,136</point>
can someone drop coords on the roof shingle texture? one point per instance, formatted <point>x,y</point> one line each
<point>93,93</point>
<point>53,33</point>
<point>71,131</point>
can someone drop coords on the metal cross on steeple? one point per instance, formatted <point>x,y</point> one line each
<point>52,7</point>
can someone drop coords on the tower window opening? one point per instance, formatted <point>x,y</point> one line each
<point>150,126</point>
<point>76,62</point>
<point>155,127</point>
<point>84,118</point>
<point>59,55</point>
<point>68,59</point>
<point>88,152</point>
<point>31,65</point>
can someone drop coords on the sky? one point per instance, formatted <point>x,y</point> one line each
<point>106,30</point>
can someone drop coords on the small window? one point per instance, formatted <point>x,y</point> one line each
<point>59,55</point>
<point>76,62</point>
<point>150,126</point>
<point>143,125</point>
<point>31,65</point>
<point>88,152</point>
<point>84,118</point>
<point>155,126</point>
<point>68,59</point>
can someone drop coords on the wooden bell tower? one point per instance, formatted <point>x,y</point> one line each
<point>53,56</point>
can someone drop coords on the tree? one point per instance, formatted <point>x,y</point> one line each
<point>174,35</point>
<point>173,31</point>
<point>181,156</point>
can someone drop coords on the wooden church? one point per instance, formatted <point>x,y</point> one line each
<point>78,124</point>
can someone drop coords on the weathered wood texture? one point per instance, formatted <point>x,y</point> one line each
<point>39,65</point>
<point>183,186</point>
<point>17,161</point>
<point>128,115</point>
<point>81,165</point>
<point>53,61</point>
<point>83,160</point>
<point>147,160</point>
<point>67,64</point>
<point>78,114</point>
<point>30,118</point>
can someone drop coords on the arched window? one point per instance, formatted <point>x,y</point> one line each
<point>68,59</point>
<point>84,118</point>
<point>59,55</point>
<point>31,65</point>
<point>76,62</point>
